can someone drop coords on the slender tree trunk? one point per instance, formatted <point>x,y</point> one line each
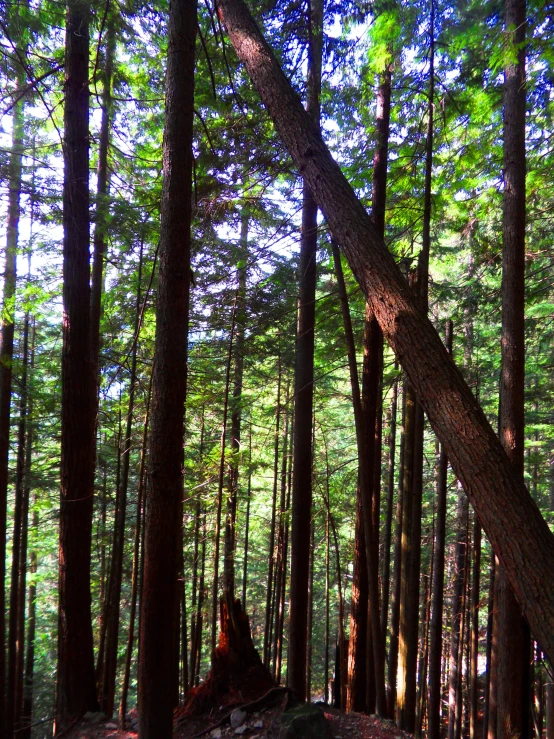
<point>238,362</point>
<point>76,689</point>
<point>492,657</point>
<point>310,621</point>
<point>457,613</point>
<point>163,530</point>
<point>513,634</point>
<point>437,590</point>
<point>477,457</point>
<point>31,629</point>
<point>19,551</point>
<point>247,517</point>
<point>107,681</point>
<point>6,355</point>
<point>271,553</point>
<point>327,611</point>
<point>389,511</point>
<point>280,583</point>
<point>411,564</point>
<point>475,607</point>
<point>221,477</point>
<point>135,576</point>
<point>303,388</point>
<point>396,574</point>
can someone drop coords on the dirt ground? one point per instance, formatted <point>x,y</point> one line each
<point>261,724</point>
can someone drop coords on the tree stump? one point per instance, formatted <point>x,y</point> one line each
<point>238,675</point>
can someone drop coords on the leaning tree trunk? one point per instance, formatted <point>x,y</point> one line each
<point>497,493</point>
<point>303,390</point>
<point>163,539</point>
<point>513,700</point>
<point>76,689</point>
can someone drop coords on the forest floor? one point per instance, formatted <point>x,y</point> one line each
<point>263,724</point>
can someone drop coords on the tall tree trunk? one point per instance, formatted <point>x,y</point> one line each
<point>247,517</point>
<point>221,476</point>
<point>107,679</point>
<point>477,457</point>
<point>76,689</point>
<point>396,574</point>
<point>437,589</point>
<point>271,553</point>
<point>236,412</point>
<point>459,576</point>
<point>135,576</point>
<point>6,355</point>
<point>19,552</point>
<point>475,607</point>
<point>391,442</point>
<point>303,388</point>
<point>513,633</point>
<point>413,481</point>
<point>163,530</point>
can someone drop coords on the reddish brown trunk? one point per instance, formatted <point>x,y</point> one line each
<point>163,540</point>
<point>76,690</point>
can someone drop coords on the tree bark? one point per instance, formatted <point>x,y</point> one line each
<point>513,636</point>
<point>495,490</point>
<point>303,389</point>
<point>163,537</point>
<point>437,590</point>
<point>76,689</point>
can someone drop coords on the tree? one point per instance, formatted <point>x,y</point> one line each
<point>499,497</point>
<point>76,690</point>
<point>303,389</point>
<point>160,604</point>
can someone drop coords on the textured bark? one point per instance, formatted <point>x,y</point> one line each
<point>303,389</point>
<point>437,589</point>
<point>498,495</point>
<point>163,539</point>
<point>513,637</point>
<point>76,689</point>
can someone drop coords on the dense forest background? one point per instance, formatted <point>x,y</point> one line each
<point>444,65</point>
